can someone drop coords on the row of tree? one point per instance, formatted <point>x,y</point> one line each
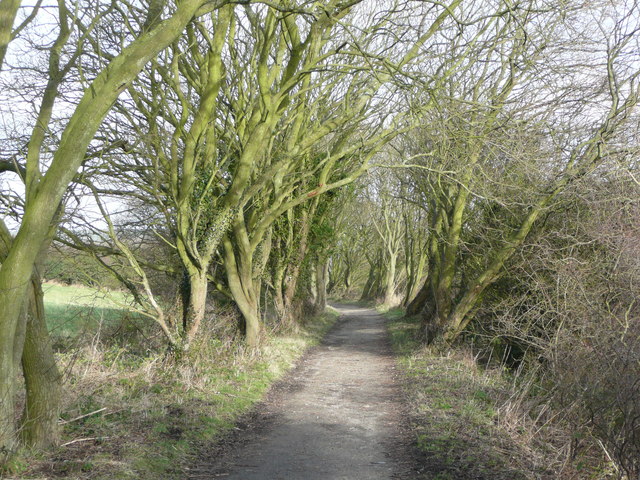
<point>216,151</point>
<point>192,146</point>
<point>459,195</point>
<point>508,217</point>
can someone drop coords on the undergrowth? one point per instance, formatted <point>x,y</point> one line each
<point>471,422</point>
<point>148,417</point>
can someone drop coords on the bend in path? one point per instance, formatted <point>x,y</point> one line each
<point>337,417</point>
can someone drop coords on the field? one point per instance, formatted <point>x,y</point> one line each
<point>74,310</point>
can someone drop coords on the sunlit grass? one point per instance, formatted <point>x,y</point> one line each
<point>72,310</point>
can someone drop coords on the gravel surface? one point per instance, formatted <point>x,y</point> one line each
<point>338,415</point>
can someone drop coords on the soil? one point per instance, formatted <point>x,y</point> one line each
<point>338,415</point>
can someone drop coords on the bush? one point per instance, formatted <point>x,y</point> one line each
<point>569,310</point>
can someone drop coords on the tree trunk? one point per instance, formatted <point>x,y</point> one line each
<point>278,295</point>
<point>417,304</point>
<point>32,345</point>
<point>433,325</point>
<point>246,298</point>
<point>424,295</point>
<point>331,284</point>
<point>239,269</point>
<point>461,314</point>
<point>12,318</point>
<point>442,282</point>
<point>347,279</point>
<point>415,273</point>
<point>7,398</point>
<point>293,272</point>
<point>288,297</point>
<point>321,286</point>
<point>39,424</point>
<point>10,353</point>
<point>249,308</point>
<point>368,286</point>
<point>390,279</point>
<point>196,305</point>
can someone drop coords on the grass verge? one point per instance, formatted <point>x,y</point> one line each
<point>158,417</point>
<point>457,415</point>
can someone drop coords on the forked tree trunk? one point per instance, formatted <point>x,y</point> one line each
<point>424,295</point>
<point>245,291</point>
<point>10,354</point>
<point>285,291</point>
<point>32,346</point>
<point>248,306</point>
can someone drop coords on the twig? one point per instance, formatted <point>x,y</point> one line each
<point>83,440</point>
<point>63,422</point>
<point>606,452</point>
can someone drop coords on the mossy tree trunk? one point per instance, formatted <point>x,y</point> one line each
<point>39,426</point>
<point>32,347</point>
<point>196,303</point>
<point>244,264</point>
<point>390,278</point>
<point>388,226</point>
<point>295,266</point>
<point>373,285</point>
<point>10,354</point>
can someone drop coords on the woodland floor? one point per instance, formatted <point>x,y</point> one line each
<point>338,415</point>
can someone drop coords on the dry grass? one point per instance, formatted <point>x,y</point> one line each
<point>158,413</point>
<point>477,423</point>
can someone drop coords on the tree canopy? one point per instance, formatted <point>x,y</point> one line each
<point>263,155</point>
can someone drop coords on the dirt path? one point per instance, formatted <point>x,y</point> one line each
<point>337,416</point>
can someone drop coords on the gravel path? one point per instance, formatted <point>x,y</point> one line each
<point>337,415</point>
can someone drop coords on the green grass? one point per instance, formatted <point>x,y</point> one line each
<point>455,412</point>
<point>55,294</point>
<point>74,310</point>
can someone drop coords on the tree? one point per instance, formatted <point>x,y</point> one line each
<point>45,186</point>
<point>388,225</point>
<point>622,94</point>
<point>293,114</point>
<point>474,142</point>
